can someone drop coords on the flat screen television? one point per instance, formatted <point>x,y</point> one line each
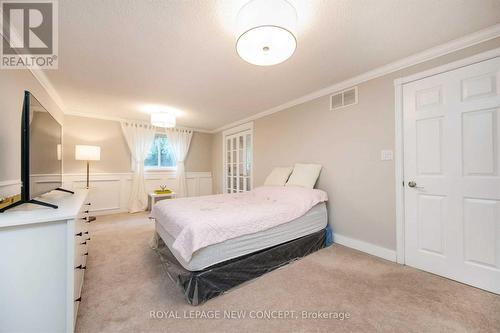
<point>41,153</point>
<point>41,150</point>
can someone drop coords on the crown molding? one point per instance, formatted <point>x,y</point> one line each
<point>483,56</point>
<point>418,58</point>
<point>39,75</point>
<point>47,85</point>
<point>118,119</point>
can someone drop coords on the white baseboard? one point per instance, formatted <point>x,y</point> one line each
<point>369,248</point>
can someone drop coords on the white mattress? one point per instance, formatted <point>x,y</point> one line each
<point>314,220</point>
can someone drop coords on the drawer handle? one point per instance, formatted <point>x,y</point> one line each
<point>81,267</point>
<point>86,254</point>
<point>84,243</point>
<point>88,204</point>
<point>87,239</point>
<point>78,234</point>
<point>79,299</point>
<point>86,233</point>
<point>83,218</point>
<point>86,212</point>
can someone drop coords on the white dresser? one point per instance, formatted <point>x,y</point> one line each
<point>43,256</point>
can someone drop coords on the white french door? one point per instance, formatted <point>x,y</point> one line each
<point>452,175</point>
<point>238,162</point>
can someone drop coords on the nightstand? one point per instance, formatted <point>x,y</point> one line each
<point>154,198</point>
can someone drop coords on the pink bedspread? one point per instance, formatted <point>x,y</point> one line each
<point>198,222</point>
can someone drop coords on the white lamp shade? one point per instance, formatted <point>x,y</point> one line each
<point>59,152</point>
<point>163,119</point>
<point>87,153</point>
<point>266,32</point>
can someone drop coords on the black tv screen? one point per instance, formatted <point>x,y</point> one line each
<point>41,149</point>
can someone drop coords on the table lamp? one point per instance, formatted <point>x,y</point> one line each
<point>87,153</point>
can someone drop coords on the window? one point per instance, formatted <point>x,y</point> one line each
<point>160,155</point>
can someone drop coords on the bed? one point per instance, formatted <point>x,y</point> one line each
<point>211,244</point>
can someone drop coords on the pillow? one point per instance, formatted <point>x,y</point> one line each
<point>278,176</point>
<point>304,175</point>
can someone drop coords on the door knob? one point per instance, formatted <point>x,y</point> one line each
<point>413,184</point>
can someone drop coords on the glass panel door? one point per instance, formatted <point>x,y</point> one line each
<point>238,162</point>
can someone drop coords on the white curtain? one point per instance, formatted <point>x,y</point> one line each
<point>180,140</point>
<point>139,139</point>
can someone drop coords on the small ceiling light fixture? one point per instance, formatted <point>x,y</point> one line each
<point>266,32</point>
<point>163,119</point>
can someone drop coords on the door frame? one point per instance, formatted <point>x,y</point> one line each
<point>399,136</point>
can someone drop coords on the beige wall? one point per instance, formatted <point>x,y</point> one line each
<point>13,83</point>
<point>347,143</point>
<point>217,162</point>
<point>199,157</point>
<point>115,155</point>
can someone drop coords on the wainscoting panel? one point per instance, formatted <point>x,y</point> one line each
<point>110,192</point>
<point>104,194</point>
<point>9,188</point>
<point>205,186</point>
<point>41,184</point>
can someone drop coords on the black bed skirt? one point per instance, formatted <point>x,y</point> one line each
<point>200,286</point>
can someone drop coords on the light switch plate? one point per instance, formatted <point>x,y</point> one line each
<point>386,155</point>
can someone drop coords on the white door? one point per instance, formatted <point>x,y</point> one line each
<point>452,174</point>
<point>238,162</point>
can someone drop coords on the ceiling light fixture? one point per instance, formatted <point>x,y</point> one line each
<point>266,32</point>
<point>163,119</point>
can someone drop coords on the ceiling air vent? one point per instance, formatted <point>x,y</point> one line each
<point>344,98</point>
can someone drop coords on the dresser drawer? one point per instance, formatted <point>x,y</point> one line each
<point>81,224</point>
<point>78,263</point>
<point>83,234</point>
<point>79,267</point>
<point>76,305</point>
<point>81,246</point>
<point>85,207</point>
<point>79,273</point>
<point>82,238</point>
<point>84,260</point>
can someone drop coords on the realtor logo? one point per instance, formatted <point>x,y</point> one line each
<point>29,30</point>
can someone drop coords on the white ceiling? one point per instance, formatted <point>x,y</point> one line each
<point>116,56</point>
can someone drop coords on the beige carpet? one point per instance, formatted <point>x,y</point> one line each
<point>124,282</point>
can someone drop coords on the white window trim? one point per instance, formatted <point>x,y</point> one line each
<point>234,130</point>
<point>160,169</point>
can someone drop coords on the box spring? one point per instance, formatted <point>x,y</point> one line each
<point>200,286</point>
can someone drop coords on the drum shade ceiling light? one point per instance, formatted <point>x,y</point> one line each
<point>163,119</point>
<point>266,32</point>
